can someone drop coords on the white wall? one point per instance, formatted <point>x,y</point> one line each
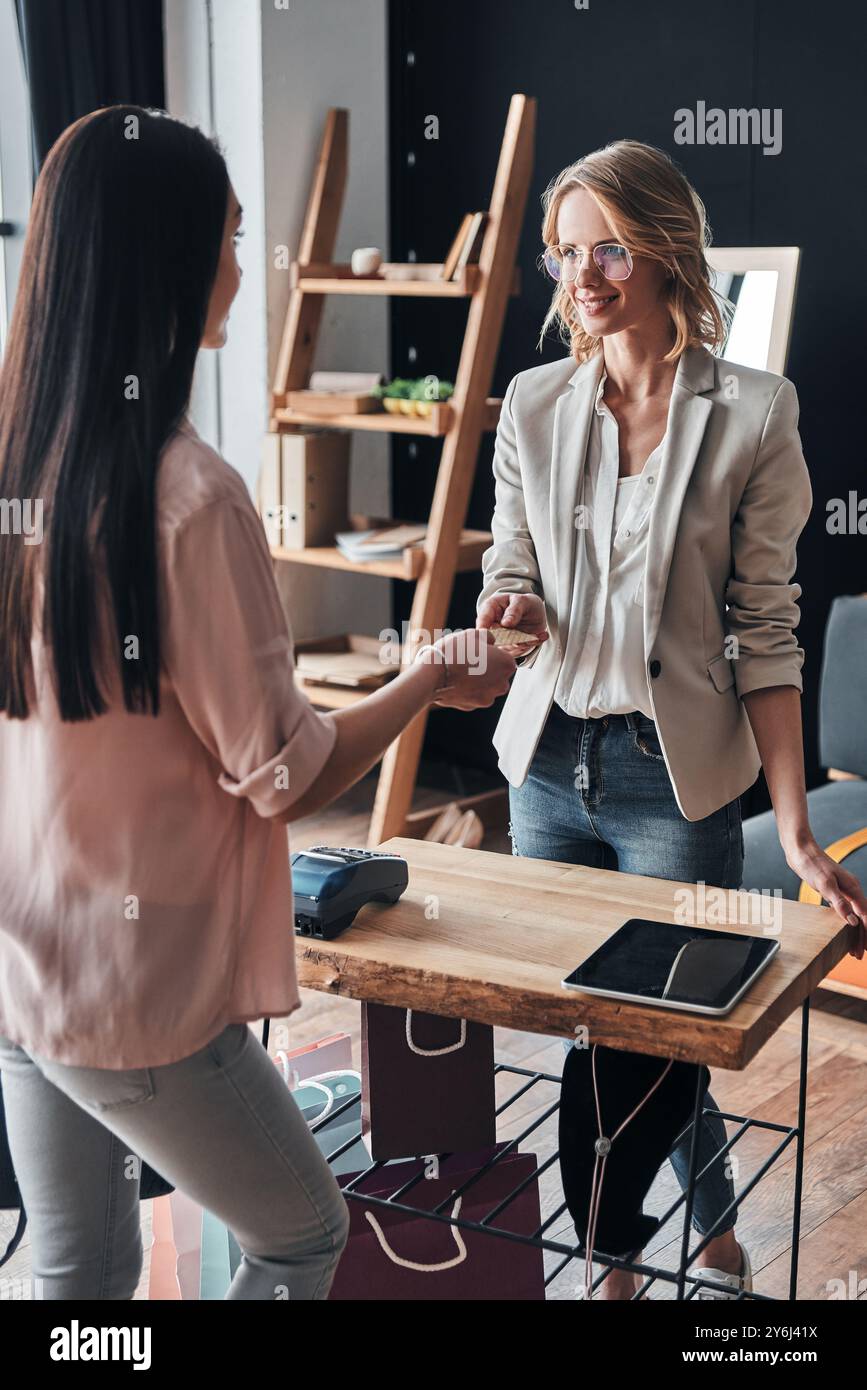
<point>213,79</point>
<point>188,96</point>
<point>263,77</point>
<point>317,54</point>
<point>16,173</point>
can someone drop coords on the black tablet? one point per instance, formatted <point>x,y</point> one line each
<point>677,967</point>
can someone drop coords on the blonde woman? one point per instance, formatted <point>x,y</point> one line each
<point>649,497</point>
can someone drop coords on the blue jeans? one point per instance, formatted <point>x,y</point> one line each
<point>598,793</point>
<point>220,1124</point>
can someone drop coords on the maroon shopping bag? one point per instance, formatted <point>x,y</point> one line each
<point>427,1083</point>
<point>392,1255</point>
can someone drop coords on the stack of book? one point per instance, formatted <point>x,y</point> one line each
<point>381,543</point>
<point>467,245</point>
<point>337,393</point>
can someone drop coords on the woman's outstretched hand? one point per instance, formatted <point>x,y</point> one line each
<point>836,886</point>
<point>523,611</point>
<point>476,671</point>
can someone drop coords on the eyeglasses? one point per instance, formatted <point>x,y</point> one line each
<point>563,263</point>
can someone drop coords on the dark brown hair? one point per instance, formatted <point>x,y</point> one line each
<point>119,263</point>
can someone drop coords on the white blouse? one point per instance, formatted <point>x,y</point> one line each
<point>603,670</point>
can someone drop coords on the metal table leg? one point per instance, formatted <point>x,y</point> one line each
<point>697,1115</point>
<point>798,1132</point>
<point>799,1148</point>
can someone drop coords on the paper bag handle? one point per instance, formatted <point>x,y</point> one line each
<point>412,1264</point>
<point>433,1051</point>
<point>316,1083</point>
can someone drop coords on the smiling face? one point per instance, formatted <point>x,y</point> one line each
<point>607,306</point>
<point>228,278</point>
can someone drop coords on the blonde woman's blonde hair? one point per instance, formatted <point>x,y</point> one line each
<point>655,211</point>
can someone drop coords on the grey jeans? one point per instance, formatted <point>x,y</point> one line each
<point>220,1124</point>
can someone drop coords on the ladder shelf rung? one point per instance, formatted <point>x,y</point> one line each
<point>323,278</point>
<point>433,426</point>
<point>410,565</point>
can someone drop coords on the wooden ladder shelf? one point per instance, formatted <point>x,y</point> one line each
<point>461,422</point>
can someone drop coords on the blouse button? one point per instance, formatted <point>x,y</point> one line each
<point>650,477</point>
<point>627,534</point>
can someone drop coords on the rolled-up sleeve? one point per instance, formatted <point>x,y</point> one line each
<point>762,600</point>
<point>227,649</point>
<point>509,565</point>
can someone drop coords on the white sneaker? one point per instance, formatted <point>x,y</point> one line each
<point>736,1282</point>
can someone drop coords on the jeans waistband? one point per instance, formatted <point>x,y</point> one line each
<point>635,719</point>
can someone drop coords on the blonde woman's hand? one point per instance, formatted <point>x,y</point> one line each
<point>523,611</point>
<point>474,672</point>
<point>836,886</point>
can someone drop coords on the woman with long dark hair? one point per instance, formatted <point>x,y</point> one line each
<point>153,743</point>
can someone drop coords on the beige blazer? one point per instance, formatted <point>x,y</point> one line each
<point>733,495</point>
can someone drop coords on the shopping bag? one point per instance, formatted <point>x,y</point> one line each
<point>187,1226</point>
<point>427,1083</point>
<point>163,1281</point>
<point>221,1256</point>
<point>393,1255</point>
<point>176,1249</point>
<point>329,1054</point>
<point>322,1100</point>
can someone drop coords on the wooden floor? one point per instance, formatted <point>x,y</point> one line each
<point>833,1257</point>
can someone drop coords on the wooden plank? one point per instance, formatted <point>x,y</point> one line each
<point>835,1174</point>
<point>832,1258</point>
<point>843,987</point>
<point>832,1023</point>
<point>460,451</point>
<point>394,289</point>
<point>491,808</point>
<point>508,930</point>
<point>435,425</point>
<point>772,1072</point>
<point>337,270</point>
<point>330,557</point>
<point>318,240</point>
<point>409,566</point>
<point>323,278</point>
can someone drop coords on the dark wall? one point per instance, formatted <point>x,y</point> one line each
<point>622,68</point>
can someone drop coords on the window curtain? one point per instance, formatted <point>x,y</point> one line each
<point>82,54</point>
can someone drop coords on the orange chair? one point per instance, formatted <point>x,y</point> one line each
<point>850,976</point>
<point>838,810</point>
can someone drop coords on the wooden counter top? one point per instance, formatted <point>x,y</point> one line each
<point>490,936</point>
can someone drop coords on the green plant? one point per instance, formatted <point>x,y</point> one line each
<point>421,390</point>
<point>398,389</point>
<point>407,389</point>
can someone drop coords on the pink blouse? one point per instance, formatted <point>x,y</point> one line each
<point>145,895</point>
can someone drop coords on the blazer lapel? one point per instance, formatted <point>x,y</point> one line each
<point>573,414</point>
<point>687,420</point>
